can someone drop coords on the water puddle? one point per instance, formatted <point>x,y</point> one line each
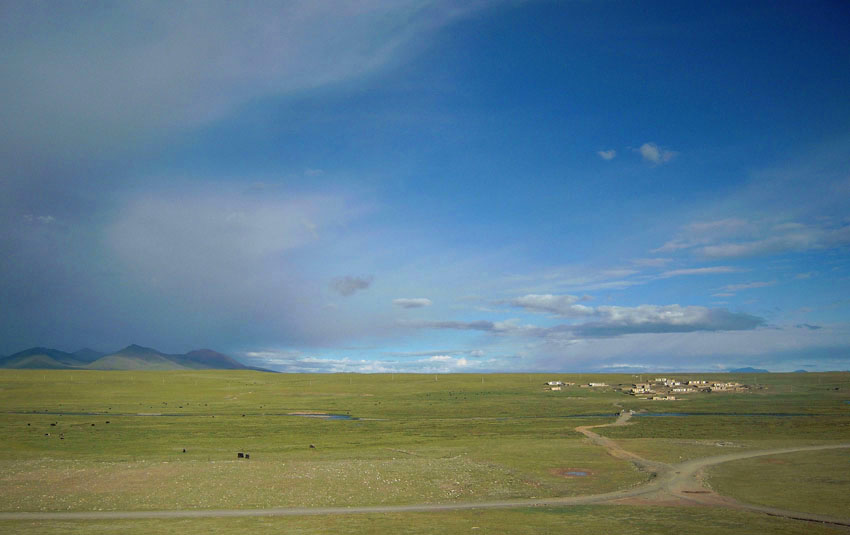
<point>323,416</point>
<point>571,472</point>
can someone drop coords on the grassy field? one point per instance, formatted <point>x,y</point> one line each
<point>87,440</point>
<point>532,521</point>
<point>814,481</point>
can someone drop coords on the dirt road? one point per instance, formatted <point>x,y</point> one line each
<point>677,484</point>
<point>682,482</point>
<point>615,450</point>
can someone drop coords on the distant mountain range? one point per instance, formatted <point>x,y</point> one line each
<point>132,357</point>
<point>748,370</point>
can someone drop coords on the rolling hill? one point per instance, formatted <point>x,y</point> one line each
<point>132,357</point>
<point>41,358</point>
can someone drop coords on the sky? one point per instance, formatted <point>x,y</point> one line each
<point>430,186</point>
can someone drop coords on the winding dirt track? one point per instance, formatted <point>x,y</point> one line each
<point>677,484</point>
<point>682,483</point>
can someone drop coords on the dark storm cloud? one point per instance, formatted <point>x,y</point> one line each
<point>97,248</point>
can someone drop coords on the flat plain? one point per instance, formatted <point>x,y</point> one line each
<point>88,441</point>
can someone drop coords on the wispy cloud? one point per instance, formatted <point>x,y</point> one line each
<point>706,232</point>
<point>43,219</point>
<point>562,305</point>
<point>746,286</point>
<point>655,154</point>
<point>575,278</point>
<point>713,270</point>
<point>188,63</point>
<point>814,221</point>
<point>782,238</point>
<point>412,302</point>
<point>607,154</point>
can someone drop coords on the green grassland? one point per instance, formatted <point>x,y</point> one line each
<point>579,520</point>
<point>91,440</point>
<point>814,481</point>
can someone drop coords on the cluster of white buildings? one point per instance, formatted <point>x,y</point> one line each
<point>661,388</point>
<point>664,387</point>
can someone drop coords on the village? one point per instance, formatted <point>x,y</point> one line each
<point>660,388</point>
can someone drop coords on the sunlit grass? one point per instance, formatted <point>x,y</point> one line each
<point>415,439</point>
<point>815,481</point>
<point>536,521</point>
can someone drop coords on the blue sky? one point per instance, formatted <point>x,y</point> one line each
<point>430,186</point>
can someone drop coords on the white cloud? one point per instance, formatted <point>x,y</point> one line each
<point>746,286</point>
<point>412,302</point>
<point>43,219</point>
<point>655,154</point>
<point>665,318</point>
<point>574,278</point>
<point>706,232</point>
<point>607,154</point>
<point>720,227</point>
<point>510,327</point>
<point>562,305</point>
<point>473,353</point>
<point>672,246</point>
<point>796,207</point>
<point>608,320</point>
<point>713,270</point>
<point>295,361</point>
<point>782,238</point>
